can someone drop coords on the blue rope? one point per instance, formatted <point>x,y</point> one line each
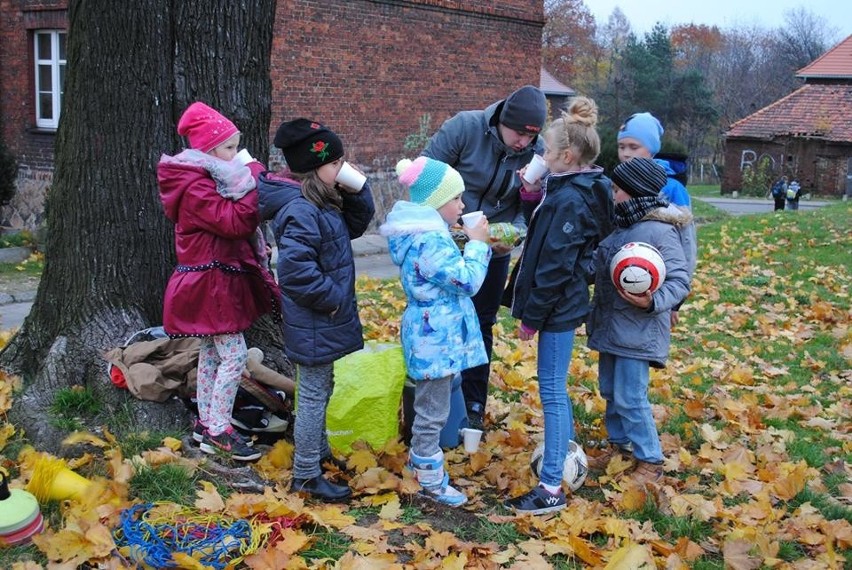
<point>154,544</point>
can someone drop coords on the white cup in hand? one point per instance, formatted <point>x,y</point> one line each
<point>350,177</point>
<point>535,169</point>
<point>471,219</point>
<point>244,157</point>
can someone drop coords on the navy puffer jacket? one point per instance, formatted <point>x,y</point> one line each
<point>316,269</point>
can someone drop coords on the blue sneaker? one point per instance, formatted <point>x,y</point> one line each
<point>538,501</point>
<point>435,482</point>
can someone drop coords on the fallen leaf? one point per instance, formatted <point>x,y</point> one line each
<point>209,498</point>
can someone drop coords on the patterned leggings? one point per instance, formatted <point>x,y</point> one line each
<point>221,361</point>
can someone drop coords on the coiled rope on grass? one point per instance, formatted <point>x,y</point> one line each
<point>154,534</point>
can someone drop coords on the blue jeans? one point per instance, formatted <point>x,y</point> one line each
<point>624,385</point>
<point>554,356</point>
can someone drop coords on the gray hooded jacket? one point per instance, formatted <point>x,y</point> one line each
<point>617,327</point>
<point>470,143</point>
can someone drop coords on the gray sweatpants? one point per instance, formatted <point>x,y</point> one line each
<point>314,385</point>
<point>431,410</point>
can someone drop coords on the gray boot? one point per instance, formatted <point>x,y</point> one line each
<point>434,480</point>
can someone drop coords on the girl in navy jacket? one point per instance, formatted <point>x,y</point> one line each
<point>313,219</point>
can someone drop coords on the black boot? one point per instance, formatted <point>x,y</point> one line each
<point>331,463</point>
<point>321,488</point>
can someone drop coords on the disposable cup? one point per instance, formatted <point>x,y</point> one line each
<point>471,219</point>
<point>350,177</point>
<point>471,439</point>
<point>244,157</point>
<point>535,169</point>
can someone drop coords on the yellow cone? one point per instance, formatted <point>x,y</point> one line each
<point>53,480</point>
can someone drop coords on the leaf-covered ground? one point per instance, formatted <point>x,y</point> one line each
<point>754,412</point>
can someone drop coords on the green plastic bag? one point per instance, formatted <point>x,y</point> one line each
<point>366,398</point>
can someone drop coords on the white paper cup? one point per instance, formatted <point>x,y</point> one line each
<point>350,177</point>
<point>535,169</point>
<point>471,219</point>
<point>471,439</point>
<point>244,157</point>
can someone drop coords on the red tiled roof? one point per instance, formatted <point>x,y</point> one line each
<point>552,86</point>
<point>814,110</point>
<point>835,63</point>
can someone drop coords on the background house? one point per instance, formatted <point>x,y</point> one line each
<point>556,92</point>
<point>370,69</point>
<point>806,135</point>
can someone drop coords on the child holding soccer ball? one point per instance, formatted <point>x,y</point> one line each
<point>632,332</point>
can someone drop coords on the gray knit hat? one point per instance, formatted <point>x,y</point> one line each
<point>640,177</point>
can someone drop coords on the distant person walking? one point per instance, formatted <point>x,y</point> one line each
<point>779,193</point>
<point>794,192</point>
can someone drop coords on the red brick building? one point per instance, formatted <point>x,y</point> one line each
<point>806,135</point>
<point>368,68</point>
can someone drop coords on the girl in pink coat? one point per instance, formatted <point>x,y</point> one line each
<point>220,285</point>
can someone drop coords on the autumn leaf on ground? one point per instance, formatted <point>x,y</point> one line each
<point>84,437</point>
<point>791,481</point>
<point>631,557</point>
<point>6,431</point>
<point>209,498</point>
<point>737,557</point>
<point>361,460</point>
<point>330,516</point>
<point>187,562</point>
<point>441,542</point>
<point>391,511</point>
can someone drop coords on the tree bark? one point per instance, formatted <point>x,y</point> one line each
<point>133,67</point>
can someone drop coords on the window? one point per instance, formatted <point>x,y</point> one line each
<point>49,48</point>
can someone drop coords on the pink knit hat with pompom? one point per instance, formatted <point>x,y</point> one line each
<point>205,128</point>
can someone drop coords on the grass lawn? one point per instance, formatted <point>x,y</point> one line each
<point>754,412</point>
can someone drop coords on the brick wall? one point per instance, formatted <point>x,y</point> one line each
<point>367,68</point>
<point>33,148</point>
<point>370,69</point>
<point>819,166</point>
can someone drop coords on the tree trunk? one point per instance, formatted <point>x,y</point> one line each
<point>133,67</point>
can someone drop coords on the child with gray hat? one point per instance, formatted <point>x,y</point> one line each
<point>632,332</point>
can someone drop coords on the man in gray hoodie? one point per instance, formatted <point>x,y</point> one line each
<point>488,147</point>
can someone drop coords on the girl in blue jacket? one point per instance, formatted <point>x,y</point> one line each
<point>313,219</point>
<point>550,293</point>
<point>439,329</point>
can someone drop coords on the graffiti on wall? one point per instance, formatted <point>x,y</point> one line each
<point>750,159</point>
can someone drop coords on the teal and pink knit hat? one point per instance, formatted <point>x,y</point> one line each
<point>430,182</point>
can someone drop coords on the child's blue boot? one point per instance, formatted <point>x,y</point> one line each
<point>434,480</point>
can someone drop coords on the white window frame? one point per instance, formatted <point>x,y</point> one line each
<point>55,63</point>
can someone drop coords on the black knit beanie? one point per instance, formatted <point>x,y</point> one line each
<point>640,177</point>
<point>525,110</point>
<point>307,145</point>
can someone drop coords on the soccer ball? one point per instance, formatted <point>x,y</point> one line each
<point>574,469</point>
<point>637,267</point>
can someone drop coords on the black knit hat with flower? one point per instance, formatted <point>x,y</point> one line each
<point>307,145</point>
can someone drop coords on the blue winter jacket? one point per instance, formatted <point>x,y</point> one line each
<point>550,291</point>
<point>439,327</point>
<point>316,269</point>
<point>470,142</point>
<point>617,327</point>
